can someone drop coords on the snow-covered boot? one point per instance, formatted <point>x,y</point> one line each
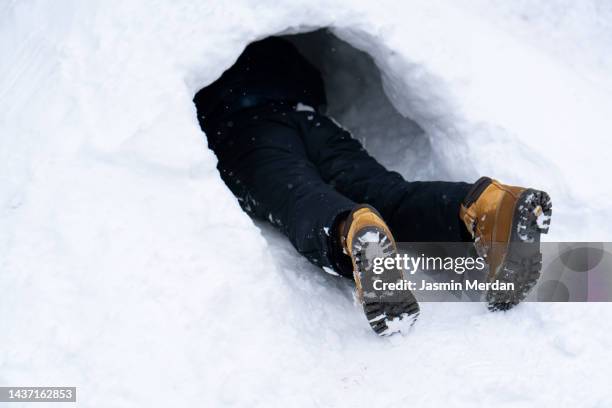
<point>365,238</point>
<point>506,223</point>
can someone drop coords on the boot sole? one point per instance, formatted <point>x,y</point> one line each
<point>387,312</point>
<point>523,261</point>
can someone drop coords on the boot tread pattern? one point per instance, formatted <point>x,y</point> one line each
<point>386,312</point>
<point>523,261</point>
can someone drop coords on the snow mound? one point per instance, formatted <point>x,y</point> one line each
<point>129,271</point>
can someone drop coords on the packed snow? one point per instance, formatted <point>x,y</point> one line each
<point>129,271</point>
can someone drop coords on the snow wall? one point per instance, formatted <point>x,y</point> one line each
<point>129,271</point>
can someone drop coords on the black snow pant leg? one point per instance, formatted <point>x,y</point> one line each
<point>262,158</point>
<point>415,211</point>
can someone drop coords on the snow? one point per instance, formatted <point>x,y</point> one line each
<point>129,270</point>
<point>330,271</point>
<point>301,107</point>
<point>370,237</point>
<point>400,325</point>
<point>543,220</point>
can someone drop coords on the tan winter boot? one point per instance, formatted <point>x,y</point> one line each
<point>506,223</point>
<point>365,237</point>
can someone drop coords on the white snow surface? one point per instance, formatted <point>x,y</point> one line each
<point>127,268</point>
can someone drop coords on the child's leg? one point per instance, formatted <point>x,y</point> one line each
<point>263,161</point>
<point>415,211</point>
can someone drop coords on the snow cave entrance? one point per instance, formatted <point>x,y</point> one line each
<point>357,100</point>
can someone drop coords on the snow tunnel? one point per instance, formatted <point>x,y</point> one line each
<point>357,99</point>
<point>360,97</point>
<point>363,97</point>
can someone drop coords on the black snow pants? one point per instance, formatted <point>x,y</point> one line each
<point>303,173</point>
